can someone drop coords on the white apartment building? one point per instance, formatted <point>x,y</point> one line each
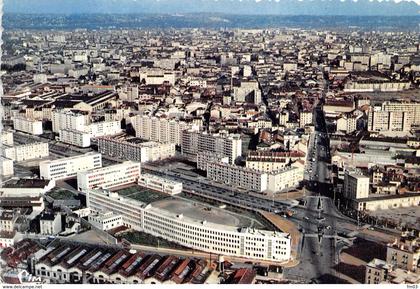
<point>135,151</point>
<point>157,77</point>
<point>268,161</point>
<point>69,167</point>
<point>7,138</point>
<point>71,120</point>
<point>161,130</point>
<point>6,166</point>
<point>193,142</point>
<point>203,158</point>
<point>371,86</point>
<point>109,177</point>
<point>356,186</point>
<point>50,224</point>
<point>98,129</point>
<point>26,152</point>
<point>347,123</point>
<point>160,184</point>
<point>237,176</point>
<point>249,91</point>
<point>285,179</point>
<point>82,138</point>
<point>29,126</point>
<point>386,121</point>
<point>411,108</point>
<point>305,118</point>
<point>377,271</point>
<point>283,117</point>
<point>194,233</point>
<point>260,124</point>
<point>75,137</point>
<point>105,220</point>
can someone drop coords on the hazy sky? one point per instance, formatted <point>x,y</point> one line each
<point>280,7</point>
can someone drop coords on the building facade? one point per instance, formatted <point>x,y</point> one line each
<point>161,130</point>
<point>98,129</point>
<point>6,166</point>
<point>160,184</point>
<point>237,176</point>
<point>72,120</point>
<point>377,271</point>
<point>7,138</point>
<point>29,126</point>
<point>50,224</point>
<point>203,158</point>
<point>69,167</point>
<point>141,152</point>
<point>284,179</point>
<point>109,177</point>
<point>404,253</point>
<point>356,186</point>
<point>305,118</point>
<point>268,161</point>
<point>26,152</point>
<point>224,144</point>
<point>75,137</point>
<point>105,220</point>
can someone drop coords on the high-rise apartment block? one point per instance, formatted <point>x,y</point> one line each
<point>193,142</point>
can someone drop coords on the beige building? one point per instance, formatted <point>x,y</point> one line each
<point>348,123</point>
<point>285,179</point>
<point>161,130</point>
<point>26,152</point>
<point>69,167</point>
<point>203,158</point>
<point>71,120</point>
<point>7,138</point>
<point>238,176</point>
<point>376,271</point>
<point>29,126</point>
<point>386,121</point>
<point>160,184</point>
<point>135,150</point>
<point>268,161</point>
<point>109,177</point>
<point>387,202</point>
<point>372,86</point>
<point>75,137</point>
<point>248,91</point>
<point>50,223</point>
<point>157,77</point>
<point>411,108</point>
<point>356,186</point>
<point>105,220</point>
<point>305,118</point>
<point>6,166</point>
<point>405,253</point>
<point>193,142</point>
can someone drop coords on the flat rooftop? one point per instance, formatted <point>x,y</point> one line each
<point>26,183</point>
<point>201,211</point>
<point>141,194</point>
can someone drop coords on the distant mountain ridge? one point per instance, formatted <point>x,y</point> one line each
<point>240,7</point>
